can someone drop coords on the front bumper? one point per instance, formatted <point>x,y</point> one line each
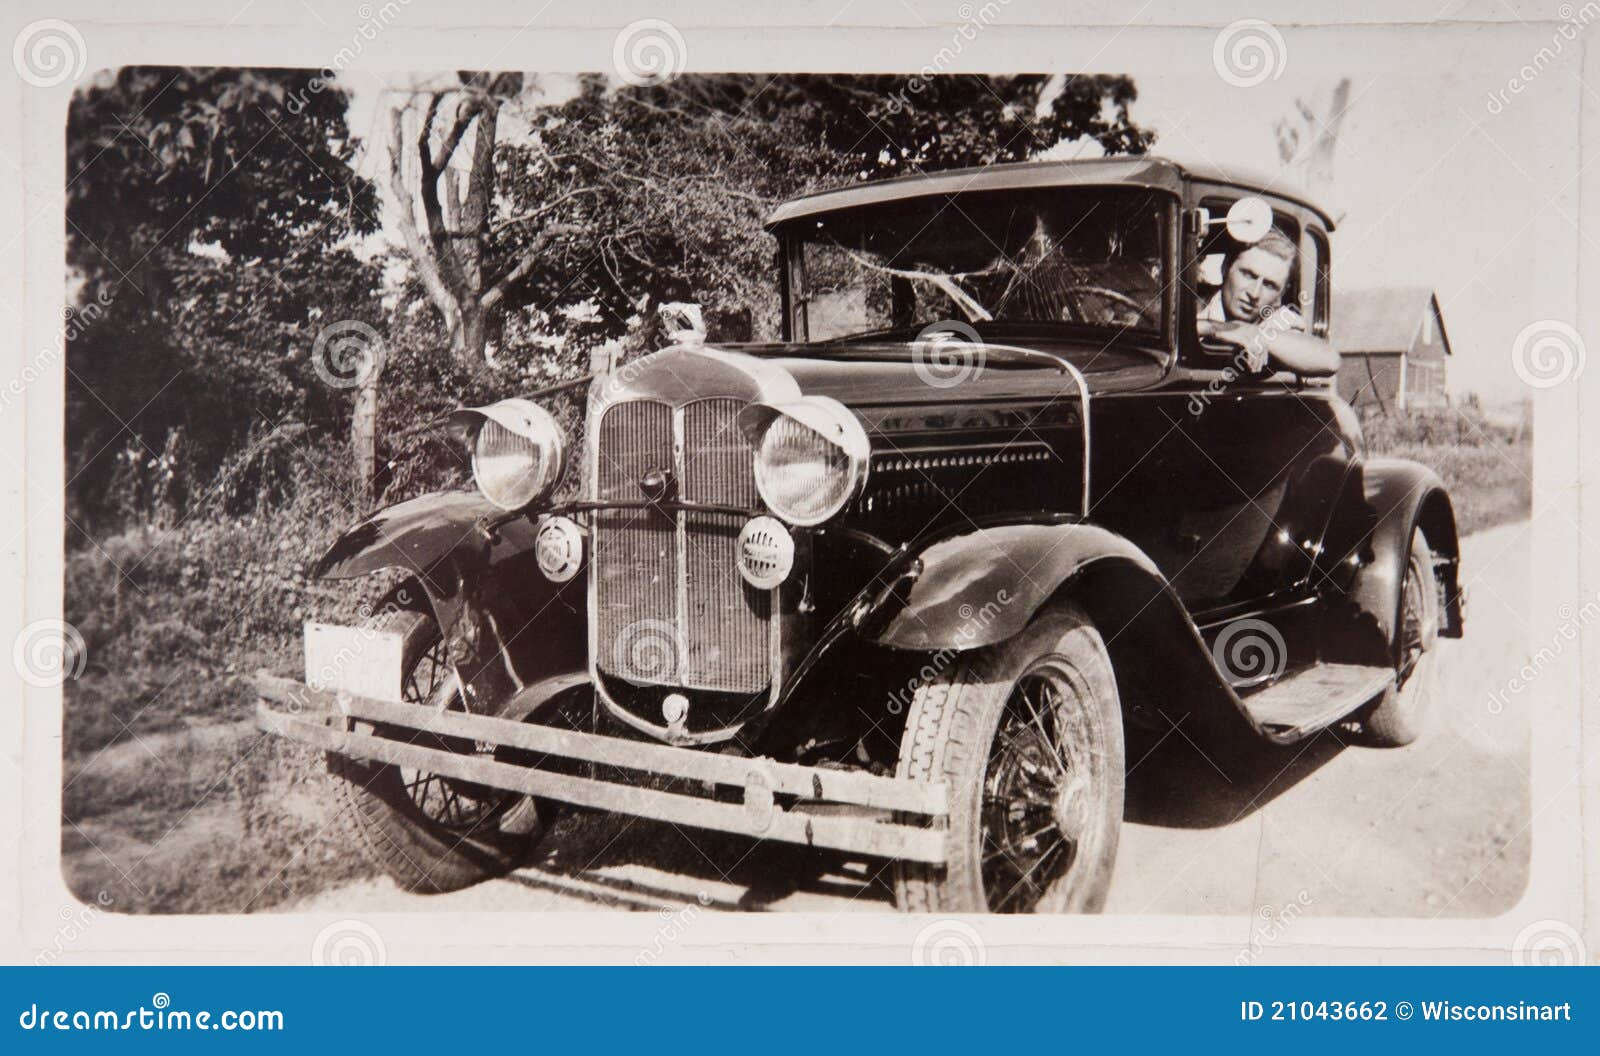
<point>841,810</point>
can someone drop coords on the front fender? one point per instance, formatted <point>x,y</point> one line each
<point>981,587</point>
<point>441,538</point>
<point>429,536</point>
<point>472,560</point>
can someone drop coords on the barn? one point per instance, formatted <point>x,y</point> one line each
<point>1392,346</point>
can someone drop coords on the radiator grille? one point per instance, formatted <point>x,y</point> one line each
<point>671,607</point>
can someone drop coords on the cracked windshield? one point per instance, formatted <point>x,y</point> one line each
<point>1085,257</point>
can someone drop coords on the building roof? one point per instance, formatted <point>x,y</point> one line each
<point>1383,318</point>
<point>1140,170</point>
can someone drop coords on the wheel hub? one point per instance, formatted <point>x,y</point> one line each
<point>1072,807</point>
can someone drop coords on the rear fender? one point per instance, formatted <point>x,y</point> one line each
<point>1365,555</point>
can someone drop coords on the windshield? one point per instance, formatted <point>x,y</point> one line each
<point>1092,257</point>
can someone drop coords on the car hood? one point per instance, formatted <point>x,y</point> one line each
<point>875,373</point>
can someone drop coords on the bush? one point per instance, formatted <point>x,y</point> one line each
<point>1485,460</point>
<point>175,619</point>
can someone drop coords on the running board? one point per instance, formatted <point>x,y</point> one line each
<point>1314,698</point>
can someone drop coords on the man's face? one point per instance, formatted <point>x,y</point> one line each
<point>1254,285</point>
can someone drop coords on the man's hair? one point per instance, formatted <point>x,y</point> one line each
<point>1275,242</point>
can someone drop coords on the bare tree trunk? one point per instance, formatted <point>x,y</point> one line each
<point>449,242</point>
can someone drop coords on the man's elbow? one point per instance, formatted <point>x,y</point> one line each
<point>1327,361</point>
<point>1318,358</point>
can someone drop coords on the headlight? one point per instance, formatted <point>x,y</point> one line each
<point>811,457</point>
<point>518,453</point>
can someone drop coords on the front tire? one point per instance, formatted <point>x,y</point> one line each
<point>1028,736</point>
<point>431,834</point>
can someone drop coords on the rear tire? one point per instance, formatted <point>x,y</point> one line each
<point>430,834</point>
<point>1027,734</point>
<point>1408,707</point>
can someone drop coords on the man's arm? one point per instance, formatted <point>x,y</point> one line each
<point>1302,353</point>
<point>1291,349</point>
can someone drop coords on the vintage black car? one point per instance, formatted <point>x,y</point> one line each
<point>902,584</point>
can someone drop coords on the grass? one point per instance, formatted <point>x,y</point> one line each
<point>1485,462</point>
<point>171,801</point>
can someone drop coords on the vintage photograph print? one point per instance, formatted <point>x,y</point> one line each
<point>923,491</point>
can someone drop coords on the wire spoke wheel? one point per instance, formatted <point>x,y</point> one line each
<point>1027,735</point>
<point>431,833</point>
<point>1040,790</point>
<point>1407,708</point>
<point>455,805</point>
<point>1414,616</point>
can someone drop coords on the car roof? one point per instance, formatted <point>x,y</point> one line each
<point>1141,170</point>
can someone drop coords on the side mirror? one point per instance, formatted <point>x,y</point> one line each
<point>1249,219</point>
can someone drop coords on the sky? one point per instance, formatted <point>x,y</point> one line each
<point>1443,176</point>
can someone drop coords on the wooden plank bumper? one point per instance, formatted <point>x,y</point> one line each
<point>777,800</point>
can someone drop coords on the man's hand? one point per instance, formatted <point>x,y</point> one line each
<point>1247,337</point>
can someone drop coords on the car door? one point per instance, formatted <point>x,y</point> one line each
<point>1264,457</point>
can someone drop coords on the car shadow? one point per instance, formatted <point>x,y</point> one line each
<point>633,863</point>
<point>628,863</point>
<point>1172,784</point>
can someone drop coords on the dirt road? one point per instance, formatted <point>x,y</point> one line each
<point>1435,829</point>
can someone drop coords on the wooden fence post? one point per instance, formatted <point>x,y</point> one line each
<point>364,437</point>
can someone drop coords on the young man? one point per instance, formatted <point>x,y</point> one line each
<point>1248,311</point>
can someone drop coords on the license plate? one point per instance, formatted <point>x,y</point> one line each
<point>355,660</point>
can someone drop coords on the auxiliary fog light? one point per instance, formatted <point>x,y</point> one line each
<point>559,548</point>
<point>766,552</point>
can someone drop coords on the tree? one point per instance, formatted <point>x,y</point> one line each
<point>213,211</point>
<point>679,179</point>
<point>450,248</point>
<point>621,198</point>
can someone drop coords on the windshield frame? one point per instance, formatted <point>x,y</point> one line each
<point>791,261</point>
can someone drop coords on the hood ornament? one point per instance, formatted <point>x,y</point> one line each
<point>685,324</point>
<point>657,485</point>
